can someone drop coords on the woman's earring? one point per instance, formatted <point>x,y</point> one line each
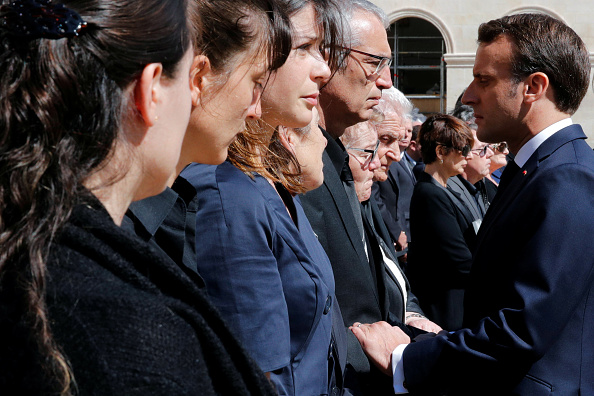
<point>441,161</point>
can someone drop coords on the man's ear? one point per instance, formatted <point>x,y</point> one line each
<point>287,138</point>
<point>536,86</point>
<point>199,74</point>
<point>147,92</point>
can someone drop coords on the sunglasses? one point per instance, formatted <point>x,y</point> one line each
<point>463,150</point>
<point>501,147</point>
<point>368,160</point>
<point>482,151</point>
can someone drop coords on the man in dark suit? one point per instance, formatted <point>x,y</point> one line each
<point>394,194</point>
<point>333,209</point>
<point>528,312</point>
<point>402,305</point>
<point>395,108</point>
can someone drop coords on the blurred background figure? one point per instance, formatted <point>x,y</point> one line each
<point>439,256</point>
<point>469,186</point>
<point>498,162</point>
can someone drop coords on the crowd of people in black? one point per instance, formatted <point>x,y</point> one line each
<point>228,197</point>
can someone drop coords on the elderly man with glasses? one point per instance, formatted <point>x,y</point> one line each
<point>366,153</point>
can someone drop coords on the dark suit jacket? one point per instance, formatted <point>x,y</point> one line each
<point>394,292</point>
<point>439,257</point>
<point>331,217</point>
<point>393,198</point>
<point>385,194</point>
<point>529,310</point>
<point>465,192</point>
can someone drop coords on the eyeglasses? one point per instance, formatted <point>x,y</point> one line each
<point>370,158</point>
<point>463,150</point>
<point>501,147</point>
<point>383,62</point>
<point>482,151</point>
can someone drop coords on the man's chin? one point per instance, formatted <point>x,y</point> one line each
<point>380,176</point>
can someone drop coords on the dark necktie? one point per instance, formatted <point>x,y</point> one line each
<point>511,169</point>
<point>508,174</point>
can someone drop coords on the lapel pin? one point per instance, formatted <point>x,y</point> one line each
<point>524,173</point>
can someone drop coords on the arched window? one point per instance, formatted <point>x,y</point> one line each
<point>419,70</point>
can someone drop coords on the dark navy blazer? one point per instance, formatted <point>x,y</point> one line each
<point>393,198</point>
<point>529,308</point>
<point>258,271</point>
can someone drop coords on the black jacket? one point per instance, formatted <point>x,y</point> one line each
<point>439,257</point>
<point>131,322</point>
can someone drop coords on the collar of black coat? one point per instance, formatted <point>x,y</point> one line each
<point>336,151</point>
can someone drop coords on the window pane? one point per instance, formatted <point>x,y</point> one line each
<point>418,82</point>
<point>418,67</point>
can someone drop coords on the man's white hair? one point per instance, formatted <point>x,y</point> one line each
<point>354,136</point>
<point>394,101</point>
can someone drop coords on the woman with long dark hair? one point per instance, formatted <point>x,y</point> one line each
<point>274,293</point>
<point>95,98</point>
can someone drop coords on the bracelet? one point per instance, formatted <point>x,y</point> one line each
<point>414,315</point>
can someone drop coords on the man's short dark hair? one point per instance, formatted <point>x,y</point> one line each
<point>545,44</point>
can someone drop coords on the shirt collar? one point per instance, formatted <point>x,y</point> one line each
<point>409,158</point>
<point>152,211</point>
<point>533,144</point>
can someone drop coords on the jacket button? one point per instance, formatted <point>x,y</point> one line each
<point>328,305</point>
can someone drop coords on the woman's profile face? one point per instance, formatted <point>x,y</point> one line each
<point>293,90</point>
<point>161,146</point>
<point>223,109</point>
<point>454,162</point>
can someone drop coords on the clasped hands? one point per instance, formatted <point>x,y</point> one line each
<point>379,339</point>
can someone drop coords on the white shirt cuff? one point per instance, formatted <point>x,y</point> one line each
<point>398,369</point>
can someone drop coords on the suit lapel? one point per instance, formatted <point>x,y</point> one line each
<point>334,185</point>
<point>528,171</point>
<point>393,175</point>
<point>404,169</point>
<point>382,233</point>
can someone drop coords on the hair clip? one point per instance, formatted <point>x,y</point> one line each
<point>31,19</point>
